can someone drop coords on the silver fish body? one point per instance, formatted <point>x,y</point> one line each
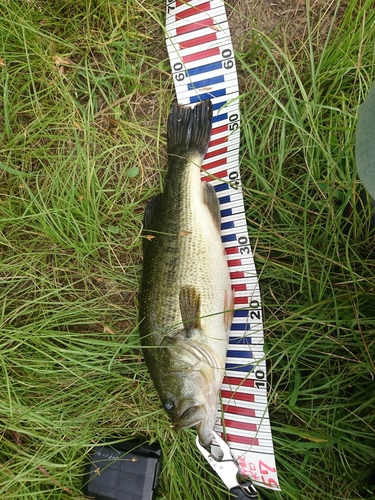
<point>186,300</point>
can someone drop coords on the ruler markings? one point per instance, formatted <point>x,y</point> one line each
<point>193,10</point>
<point>248,414</point>
<point>202,40</point>
<point>231,422</point>
<point>218,155</point>
<point>198,21</point>
<point>181,24</point>
<point>187,44</point>
<point>253,405</point>
<point>181,43</point>
<point>236,200</point>
<point>253,430</point>
<point>203,67</point>
<point>222,138</point>
<point>205,9</point>
<point>191,63</point>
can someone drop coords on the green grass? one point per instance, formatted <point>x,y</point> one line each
<point>85,92</point>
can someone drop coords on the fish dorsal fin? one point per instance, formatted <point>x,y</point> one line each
<point>210,199</point>
<point>152,210</point>
<point>151,214</point>
<point>190,304</point>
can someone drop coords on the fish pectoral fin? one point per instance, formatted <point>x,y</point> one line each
<point>210,199</point>
<point>190,304</point>
<point>228,309</point>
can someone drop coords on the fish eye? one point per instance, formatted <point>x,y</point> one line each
<point>168,406</point>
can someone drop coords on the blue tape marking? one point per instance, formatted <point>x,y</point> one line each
<point>221,187</point>
<point>204,69</point>
<point>239,368</point>
<point>228,237</point>
<point>226,212</point>
<point>224,199</point>
<point>208,95</point>
<point>227,225</point>
<point>219,118</point>
<point>240,313</point>
<point>219,105</point>
<point>240,340</point>
<point>239,354</point>
<point>241,326</point>
<point>207,82</point>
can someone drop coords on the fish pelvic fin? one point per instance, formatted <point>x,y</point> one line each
<point>190,304</point>
<point>189,129</point>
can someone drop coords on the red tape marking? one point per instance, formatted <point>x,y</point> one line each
<point>191,11</point>
<point>242,440</point>
<point>240,382</point>
<point>201,55</point>
<point>216,142</point>
<point>216,153</point>
<point>237,410</point>
<point>205,23</point>
<point>218,130</point>
<point>235,263</point>
<point>214,164</point>
<point>240,288</point>
<point>237,275</point>
<point>240,396</point>
<point>241,300</point>
<point>219,175</point>
<point>235,424</point>
<point>211,37</point>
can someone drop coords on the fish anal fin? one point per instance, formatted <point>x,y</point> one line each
<point>190,304</point>
<point>228,309</point>
<point>210,199</point>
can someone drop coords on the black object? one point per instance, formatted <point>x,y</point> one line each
<point>246,492</point>
<point>125,471</point>
<point>239,493</point>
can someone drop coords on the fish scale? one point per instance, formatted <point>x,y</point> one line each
<point>203,67</point>
<point>174,221</point>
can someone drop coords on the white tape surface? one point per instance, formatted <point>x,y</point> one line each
<point>203,67</point>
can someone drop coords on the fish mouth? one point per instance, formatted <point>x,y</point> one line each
<point>205,432</point>
<point>194,414</point>
<point>191,414</point>
<point>206,426</point>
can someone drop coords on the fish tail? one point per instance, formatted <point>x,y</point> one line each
<point>189,129</point>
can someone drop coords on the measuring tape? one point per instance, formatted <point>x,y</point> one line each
<point>203,67</point>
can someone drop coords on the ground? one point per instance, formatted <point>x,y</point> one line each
<point>85,89</point>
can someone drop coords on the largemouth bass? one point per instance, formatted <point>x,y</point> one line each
<point>186,300</point>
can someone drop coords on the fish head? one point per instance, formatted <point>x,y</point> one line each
<point>191,403</point>
<point>189,391</point>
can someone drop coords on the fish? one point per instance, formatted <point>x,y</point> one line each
<point>186,300</point>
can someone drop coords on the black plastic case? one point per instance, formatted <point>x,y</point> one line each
<point>125,471</point>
